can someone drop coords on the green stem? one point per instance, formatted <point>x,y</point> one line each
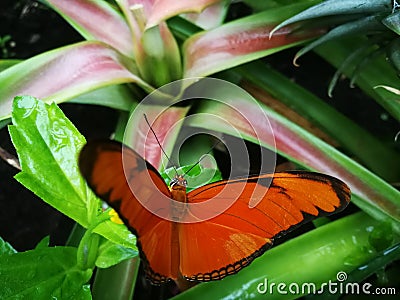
<point>89,245</point>
<point>87,250</point>
<point>117,281</point>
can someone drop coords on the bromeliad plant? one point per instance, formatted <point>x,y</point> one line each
<point>146,44</point>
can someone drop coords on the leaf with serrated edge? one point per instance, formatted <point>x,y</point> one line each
<point>48,144</point>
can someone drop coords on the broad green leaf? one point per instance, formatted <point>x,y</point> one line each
<point>96,20</point>
<point>337,8</point>
<point>242,41</point>
<point>65,73</point>
<point>43,273</point>
<point>315,258</point>
<point>48,145</point>
<point>115,96</point>
<point>6,248</point>
<point>110,254</point>
<point>296,144</point>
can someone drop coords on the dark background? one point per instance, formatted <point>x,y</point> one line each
<point>33,29</point>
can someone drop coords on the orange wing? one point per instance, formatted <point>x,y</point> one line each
<point>223,245</point>
<point>215,248</point>
<point>101,163</point>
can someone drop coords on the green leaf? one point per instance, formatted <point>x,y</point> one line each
<point>48,145</point>
<point>85,17</point>
<point>110,254</point>
<point>4,123</point>
<point>377,72</point>
<point>322,115</point>
<point>182,28</point>
<point>377,264</point>
<point>393,22</point>
<point>117,233</point>
<point>6,248</point>
<point>242,40</point>
<point>394,53</point>
<point>161,120</point>
<point>373,267</point>
<point>197,177</point>
<point>352,60</point>
<point>44,243</point>
<point>114,96</point>
<point>336,8</point>
<point>65,73</point>
<point>161,53</point>
<point>212,17</point>
<point>6,63</point>
<point>43,273</point>
<point>360,26</point>
<point>293,142</point>
<point>116,282</point>
<point>162,10</point>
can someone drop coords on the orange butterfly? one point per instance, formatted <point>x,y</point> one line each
<point>219,246</point>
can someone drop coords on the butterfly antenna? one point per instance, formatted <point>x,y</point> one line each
<point>202,157</point>
<point>159,144</point>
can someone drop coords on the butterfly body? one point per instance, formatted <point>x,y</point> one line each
<point>178,193</point>
<point>212,231</point>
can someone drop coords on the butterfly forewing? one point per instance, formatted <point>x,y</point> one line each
<point>102,164</point>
